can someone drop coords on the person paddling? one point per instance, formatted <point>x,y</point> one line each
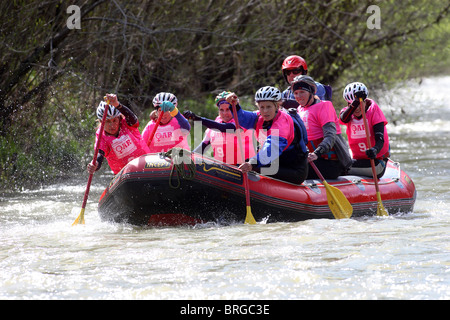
<point>351,117</point>
<point>121,141</point>
<point>327,147</point>
<point>173,129</point>
<point>279,135</point>
<point>221,134</point>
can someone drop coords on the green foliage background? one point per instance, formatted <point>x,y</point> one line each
<point>52,77</point>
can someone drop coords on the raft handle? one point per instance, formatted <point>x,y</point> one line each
<point>397,164</point>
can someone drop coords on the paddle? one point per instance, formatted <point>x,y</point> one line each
<point>80,218</point>
<point>249,219</point>
<point>152,134</point>
<point>338,203</point>
<point>381,211</point>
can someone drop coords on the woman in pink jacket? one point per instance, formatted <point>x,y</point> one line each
<point>221,134</point>
<point>327,147</point>
<point>121,141</point>
<point>351,117</point>
<point>173,129</point>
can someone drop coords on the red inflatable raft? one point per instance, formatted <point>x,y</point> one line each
<point>158,189</point>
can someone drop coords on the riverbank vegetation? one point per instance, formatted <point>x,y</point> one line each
<point>55,68</point>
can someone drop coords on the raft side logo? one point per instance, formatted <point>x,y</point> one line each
<point>152,165</point>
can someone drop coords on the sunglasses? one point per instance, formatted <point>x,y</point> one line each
<point>294,71</point>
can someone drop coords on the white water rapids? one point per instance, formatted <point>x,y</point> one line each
<point>397,257</point>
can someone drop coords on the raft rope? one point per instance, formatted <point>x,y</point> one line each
<point>181,160</point>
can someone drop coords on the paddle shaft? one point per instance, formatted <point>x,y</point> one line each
<point>94,160</point>
<point>152,134</point>
<point>369,144</point>
<point>249,219</point>
<point>381,211</point>
<point>238,133</point>
<point>313,165</point>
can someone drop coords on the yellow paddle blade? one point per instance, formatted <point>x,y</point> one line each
<point>249,219</point>
<point>381,211</point>
<point>79,219</point>
<point>338,203</point>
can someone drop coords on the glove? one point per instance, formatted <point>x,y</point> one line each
<point>190,115</point>
<point>355,103</point>
<point>360,94</point>
<point>372,153</point>
<point>167,106</point>
<point>319,150</point>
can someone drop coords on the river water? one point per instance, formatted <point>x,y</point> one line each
<point>397,257</point>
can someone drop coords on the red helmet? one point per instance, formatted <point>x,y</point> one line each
<point>294,62</point>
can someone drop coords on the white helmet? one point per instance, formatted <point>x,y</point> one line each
<point>268,93</point>
<point>352,88</point>
<point>164,96</point>
<point>112,112</point>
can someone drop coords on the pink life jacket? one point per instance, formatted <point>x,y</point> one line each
<point>127,146</point>
<point>226,147</point>
<point>167,136</point>
<point>282,126</point>
<point>356,132</point>
<point>315,117</point>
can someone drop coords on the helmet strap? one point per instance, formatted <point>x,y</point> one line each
<point>311,96</point>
